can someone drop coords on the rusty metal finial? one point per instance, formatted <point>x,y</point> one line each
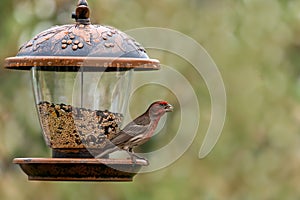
<point>82,13</point>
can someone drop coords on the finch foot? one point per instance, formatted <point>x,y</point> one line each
<point>134,157</point>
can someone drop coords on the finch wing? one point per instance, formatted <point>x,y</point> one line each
<point>130,131</point>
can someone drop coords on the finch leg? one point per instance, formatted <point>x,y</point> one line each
<point>133,157</point>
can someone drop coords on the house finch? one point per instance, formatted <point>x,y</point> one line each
<point>139,131</point>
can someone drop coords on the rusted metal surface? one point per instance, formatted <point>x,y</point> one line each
<point>83,40</point>
<point>67,63</point>
<point>82,13</point>
<point>63,169</point>
<point>82,44</point>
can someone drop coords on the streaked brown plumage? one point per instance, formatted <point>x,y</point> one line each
<point>139,131</point>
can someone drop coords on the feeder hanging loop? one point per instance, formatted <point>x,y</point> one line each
<point>82,13</point>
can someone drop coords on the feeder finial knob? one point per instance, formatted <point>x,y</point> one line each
<point>82,13</point>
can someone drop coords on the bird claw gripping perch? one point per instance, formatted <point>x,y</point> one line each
<point>134,157</point>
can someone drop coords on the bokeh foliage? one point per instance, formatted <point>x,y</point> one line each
<point>256,47</point>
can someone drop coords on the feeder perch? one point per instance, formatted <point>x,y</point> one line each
<point>81,76</point>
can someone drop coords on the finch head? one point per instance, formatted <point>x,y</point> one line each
<point>159,108</point>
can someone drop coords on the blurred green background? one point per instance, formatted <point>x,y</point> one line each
<point>256,46</point>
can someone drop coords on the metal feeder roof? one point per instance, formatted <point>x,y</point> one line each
<point>69,47</point>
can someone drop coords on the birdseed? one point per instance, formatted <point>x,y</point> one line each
<point>66,126</point>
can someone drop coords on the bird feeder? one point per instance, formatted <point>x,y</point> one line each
<point>81,75</point>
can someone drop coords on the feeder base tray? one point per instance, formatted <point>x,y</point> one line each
<point>77,169</point>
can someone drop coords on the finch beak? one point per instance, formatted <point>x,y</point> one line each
<point>169,108</point>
